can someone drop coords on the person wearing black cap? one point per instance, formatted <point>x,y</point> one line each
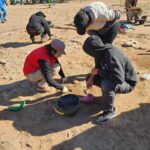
<point>97,18</point>
<point>37,25</point>
<point>42,65</point>
<point>113,72</point>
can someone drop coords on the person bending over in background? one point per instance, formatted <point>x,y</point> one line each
<point>97,18</point>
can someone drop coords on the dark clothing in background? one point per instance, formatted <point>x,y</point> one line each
<point>38,25</point>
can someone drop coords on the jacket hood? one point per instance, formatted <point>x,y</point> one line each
<point>94,46</point>
<point>40,14</point>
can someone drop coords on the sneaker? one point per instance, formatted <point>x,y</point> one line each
<point>2,21</point>
<point>105,117</point>
<point>41,89</point>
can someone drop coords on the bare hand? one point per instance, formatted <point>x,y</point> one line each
<point>65,90</point>
<point>89,82</point>
<point>94,71</point>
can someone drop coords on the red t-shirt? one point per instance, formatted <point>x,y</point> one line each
<point>31,62</point>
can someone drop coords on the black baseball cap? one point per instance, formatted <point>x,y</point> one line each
<point>81,20</point>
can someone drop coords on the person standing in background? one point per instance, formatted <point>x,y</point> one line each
<point>3,11</point>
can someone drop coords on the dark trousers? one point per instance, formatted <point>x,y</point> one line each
<point>107,34</point>
<point>109,90</point>
<point>33,32</point>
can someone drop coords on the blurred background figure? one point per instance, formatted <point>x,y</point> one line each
<point>3,11</point>
<point>38,25</point>
<point>133,12</point>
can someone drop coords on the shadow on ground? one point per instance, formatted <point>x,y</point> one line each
<point>15,89</point>
<point>38,117</point>
<point>25,88</point>
<point>129,130</point>
<point>16,44</point>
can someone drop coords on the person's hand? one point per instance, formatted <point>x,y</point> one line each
<point>63,80</point>
<point>89,82</point>
<point>65,90</point>
<point>94,71</point>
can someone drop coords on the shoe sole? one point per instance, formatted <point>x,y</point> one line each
<point>105,121</point>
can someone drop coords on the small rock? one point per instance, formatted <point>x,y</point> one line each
<point>76,82</point>
<point>28,145</point>
<point>145,77</point>
<point>148,51</point>
<point>131,43</point>
<point>67,134</point>
<point>127,44</point>
<point>4,77</point>
<point>135,42</point>
<point>140,47</point>
<point>135,46</point>
<point>3,62</point>
<point>11,78</point>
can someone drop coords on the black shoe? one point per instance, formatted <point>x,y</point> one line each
<point>105,117</point>
<point>32,39</point>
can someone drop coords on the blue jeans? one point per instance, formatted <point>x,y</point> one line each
<point>2,13</point>
<point>109,90</point>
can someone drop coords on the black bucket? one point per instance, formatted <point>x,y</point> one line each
<point>68,105</point>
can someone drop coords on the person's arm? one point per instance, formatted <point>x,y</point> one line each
<point>45,24</point>
<point>89,81</point>
<point>112,71</point>
<point>47,73</point>
<point>100,71</point>
<point>61,72</point>
<point>116,72</point>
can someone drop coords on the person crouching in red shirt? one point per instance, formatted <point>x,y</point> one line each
<point>42,64</point>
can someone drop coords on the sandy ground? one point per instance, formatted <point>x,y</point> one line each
<point>37,127</point>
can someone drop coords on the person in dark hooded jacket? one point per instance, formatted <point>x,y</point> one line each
<point>113,72</point>
<point>37,25</point>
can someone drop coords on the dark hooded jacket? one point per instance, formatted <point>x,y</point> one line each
<point>112,64</point>
<point>37,21</point>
